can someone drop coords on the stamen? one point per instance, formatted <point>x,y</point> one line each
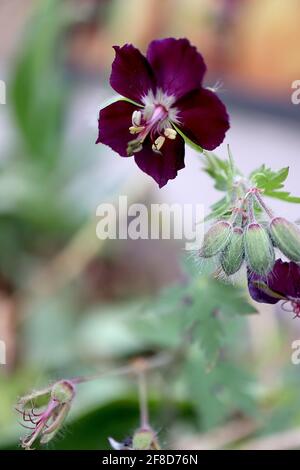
<point>170,133</point>
<point>136,129</point>
<point>159,142</point>
<point>134,146</point>
<point>136,118</point>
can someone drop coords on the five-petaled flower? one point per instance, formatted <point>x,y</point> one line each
<point>282,283</point>
<point>163,93</point>
<point>44,421</point>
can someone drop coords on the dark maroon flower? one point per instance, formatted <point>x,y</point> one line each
<point>282,283</point>
<point>165,89</point>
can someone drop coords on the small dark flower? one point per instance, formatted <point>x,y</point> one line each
<point>45,421</point>
<point>166,92</point>
<point>282,283</point>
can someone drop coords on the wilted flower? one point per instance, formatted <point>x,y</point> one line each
<point>282,283</point>
<point>164,93</point>
<point>45,421</point>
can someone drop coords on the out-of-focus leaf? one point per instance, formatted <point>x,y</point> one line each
<point>219,392</point>
<point>38,93</point>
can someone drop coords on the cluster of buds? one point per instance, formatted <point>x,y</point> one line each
<point>45,411</point>
<point>250,236</point>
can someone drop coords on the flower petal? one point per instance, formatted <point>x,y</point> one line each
<point>285,278</point>
<point>283,282</point>
<point>260,291</point>
<point>203,118</point>
<point>164,166</point>
<point>131,74</point>
<point>114,122</point>
<point>177,65</point>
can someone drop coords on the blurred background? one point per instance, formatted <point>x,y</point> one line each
<point>68,300</point>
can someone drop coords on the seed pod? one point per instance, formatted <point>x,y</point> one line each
<point>216,239</point>
<point>259,251</point>
<point>63,391</point>
<point>233,255</point>
<point>286,237</point>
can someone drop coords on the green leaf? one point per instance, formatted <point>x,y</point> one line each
<point>283,195</point>
<point>271,182</point>
<point>200,304</point>
<point>220,209</point>
<point>268,180</point>
<point>222,171</point>
<point>218,393</point>
<point>38,91</point>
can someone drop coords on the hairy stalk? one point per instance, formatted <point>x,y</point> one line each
<point>261,202</point>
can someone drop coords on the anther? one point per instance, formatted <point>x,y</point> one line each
<point>136,118</point>
<point>170,133</point>
<point>136,129</point>
<point>159,142</point>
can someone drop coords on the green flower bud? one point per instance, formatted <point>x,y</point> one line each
<point>286,237</point>
<point>63,391</point>
<point>259,250</point>
<point>216,239</point>
<point>233,255</point>
<point>144,439</point>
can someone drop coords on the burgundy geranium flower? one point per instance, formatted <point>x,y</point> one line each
<point>282,283</point>
<point>165,90</point>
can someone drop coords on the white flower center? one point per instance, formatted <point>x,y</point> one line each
<point>155,120</point>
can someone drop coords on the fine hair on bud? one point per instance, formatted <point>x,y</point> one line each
<point>259,251</point>
<point>233,255</point>
<point>216,239</point>
<point>286,236</point>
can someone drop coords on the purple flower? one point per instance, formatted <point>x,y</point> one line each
<point>282,283</point>
<point>165,90</point>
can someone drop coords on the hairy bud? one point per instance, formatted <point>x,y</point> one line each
<point>233,255</point>
<point>216,239</point>
<point>259,250</point>
<point>145,439</point>
<point>286,237</point>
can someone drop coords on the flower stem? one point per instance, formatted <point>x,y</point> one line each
<point>263,205</point>
<point>143,400</point>
<point>251,215</point>
<point>159,360</point>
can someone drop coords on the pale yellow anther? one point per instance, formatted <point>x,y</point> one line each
<point>170,133</point>
<point>136,129</point>
<point>159,142</point>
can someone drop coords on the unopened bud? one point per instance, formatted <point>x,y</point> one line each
<point>286,237</point>
<point>144,439</point>
<point>233,255</point>
<point>259,250</point>
<point>216,239</point>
